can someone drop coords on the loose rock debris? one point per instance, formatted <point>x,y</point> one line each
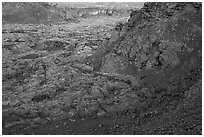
<point>141,76</point>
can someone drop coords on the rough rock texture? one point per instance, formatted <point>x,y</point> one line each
<point>44,76</point>
<point>33,12</point>
<point>145,78</point>
<point>158,41</point>
<point>162,46</point>
<point>45,12</point>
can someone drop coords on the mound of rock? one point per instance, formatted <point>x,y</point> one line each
<point>158,42</point>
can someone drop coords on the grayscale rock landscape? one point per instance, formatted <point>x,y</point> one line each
<point>102,68</point>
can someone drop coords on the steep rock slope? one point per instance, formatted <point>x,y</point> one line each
<point>157,42</point>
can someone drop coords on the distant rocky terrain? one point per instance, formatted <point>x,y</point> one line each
<point>102,71</point>
<point>44,12</point>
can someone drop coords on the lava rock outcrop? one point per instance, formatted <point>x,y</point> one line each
<point>158,41</point>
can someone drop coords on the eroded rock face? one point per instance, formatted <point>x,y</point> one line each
<point>159,40</point>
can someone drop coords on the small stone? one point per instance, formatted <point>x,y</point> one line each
<point>95,91</point>
<point>101,113</point>
<point>71,113</point>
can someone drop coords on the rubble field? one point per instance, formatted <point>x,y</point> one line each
<point>140,74</point>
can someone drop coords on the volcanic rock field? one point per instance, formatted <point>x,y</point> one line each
<point>102,71</point>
